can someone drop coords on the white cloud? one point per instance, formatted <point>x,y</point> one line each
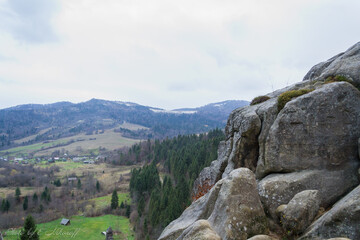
<point>164,53</point>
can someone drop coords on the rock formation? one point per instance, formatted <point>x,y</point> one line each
<point>303,157</point>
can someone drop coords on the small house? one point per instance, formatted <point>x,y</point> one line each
<point>65,222</point>
<point>70,179</point>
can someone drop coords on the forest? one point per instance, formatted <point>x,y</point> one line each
<point>161,189</point>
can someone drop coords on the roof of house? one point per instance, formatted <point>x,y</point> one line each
<point>64,221</point>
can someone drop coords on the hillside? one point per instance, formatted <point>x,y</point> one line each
<point>61,124</point>
<point>289,167</point>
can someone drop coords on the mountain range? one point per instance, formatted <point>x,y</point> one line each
<point>32,123</point>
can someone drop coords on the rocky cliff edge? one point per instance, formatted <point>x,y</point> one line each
<point>289,166</point>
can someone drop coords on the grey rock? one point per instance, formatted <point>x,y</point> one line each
<point>342,220</point>
<point>232,207</point>
<point>278,189</point>
<point>200,209</point>
<point>243,127</point>
<point>300,211</point>
<point>210,175</point>
<point>239,150</point>
<point>238,213</point>
<point>318,130</point>
<point>267,112</point>
<point>346,64</point>
<point>262,237</point>
<point>200,230</point>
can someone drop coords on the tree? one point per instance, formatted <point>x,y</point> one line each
<point>98,186</point>
<point>35,198</point>
<point>122,205</point>
<point>17,194</point>
<point>29,231</point>
<point>128,211</point>
<point>25,204</point>
<point>114,200</point>
<point>7,205</point>
<point>79,184</point>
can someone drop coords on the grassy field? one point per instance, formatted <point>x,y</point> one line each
<point>81,143</point>
<point>103,202</point>
<point>88,228</point>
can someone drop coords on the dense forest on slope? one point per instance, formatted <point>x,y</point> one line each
<point>161,189</point>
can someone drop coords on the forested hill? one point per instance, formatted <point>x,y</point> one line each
<point>64,119</point>
<point>178,161</point>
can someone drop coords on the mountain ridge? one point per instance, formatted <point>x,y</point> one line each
<point>64,119</point>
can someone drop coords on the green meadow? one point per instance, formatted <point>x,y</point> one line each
<point>81,228</point>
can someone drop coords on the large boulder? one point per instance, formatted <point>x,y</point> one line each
<point>278,189</point>
<point>237,212</point>
<point>300,211</point>
<point>346,64</point>
<point>318,130</point>
<point>200,230</point>
<point>342,220</point>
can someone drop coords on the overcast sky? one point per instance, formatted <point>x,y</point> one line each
<point>165,53</point>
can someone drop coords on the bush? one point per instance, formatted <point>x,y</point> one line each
<point>259,99</point>
<point>287,96</point>
<point>340,78</point>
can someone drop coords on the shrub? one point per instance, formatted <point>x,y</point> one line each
<point>340,78</point>
<point>287,96</point>
<point>259,99</point>
<point>202,190</point>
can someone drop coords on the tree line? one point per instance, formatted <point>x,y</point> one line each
<point>161,189</point>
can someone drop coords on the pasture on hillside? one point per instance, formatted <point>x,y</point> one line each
<point>81,228</point>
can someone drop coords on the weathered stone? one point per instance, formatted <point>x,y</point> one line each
<point>232,207</point>
<point>267,113</point>
<point>342,220</point>
<point>200,230</point>
<point>359,147</point>
<point>238,213</point>
<point>278,189</point>
<point>318,130</point>
<point>300,211</point>
<point>210,175</point>
<point>346,64</point>
<point>243,127</point>
<point>262,237</point>
<point>200,209</point>
<point>280,210</point>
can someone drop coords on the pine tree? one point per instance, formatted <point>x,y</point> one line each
<point>17,194</point>
<point>29,231</point>
<point>128,211</point>
<point>25,204</point>
<point>114,200</point>
<point>122,205</point>
<point>98,186</point>
<point>79,184</point>
<point>3,205</point>
<point>35,198</point>
<point>7,205</point>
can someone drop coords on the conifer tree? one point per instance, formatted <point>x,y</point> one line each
<point>35,198</point>
<point>29,231</point>
<point>17,194</point>
<point>98,186</point>
<point>79,184</point>
<point>114,200</point>
<point>25,204</point>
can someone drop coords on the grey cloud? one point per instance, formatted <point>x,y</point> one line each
<point>29,21</point>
